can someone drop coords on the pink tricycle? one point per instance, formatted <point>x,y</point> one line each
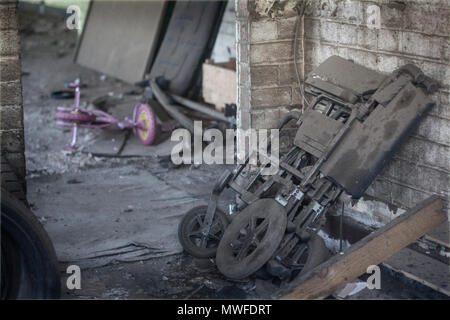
<point>143,123</point>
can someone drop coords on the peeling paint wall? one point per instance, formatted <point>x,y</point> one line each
<point>415,31</point>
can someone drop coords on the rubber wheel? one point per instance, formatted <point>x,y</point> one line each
<point>11,183</point>
<point>79,117</point>
<point>317,254</point>
<point>189,232</point>
<point>144,113</point>
<point>29,266</point>
<point>251,239</point>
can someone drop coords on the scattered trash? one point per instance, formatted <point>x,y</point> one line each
<point>130,208</point>
<point>63,94</point>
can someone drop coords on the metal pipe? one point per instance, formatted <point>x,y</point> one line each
<point>202,108</point>
<point>171,108</point>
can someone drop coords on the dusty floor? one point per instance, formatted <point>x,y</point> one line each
<point>47,51</point>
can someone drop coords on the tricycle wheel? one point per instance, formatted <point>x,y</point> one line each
<point>146,120</point>
<point>190,232</point>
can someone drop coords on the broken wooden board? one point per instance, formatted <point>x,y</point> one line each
<point>186,43</point>
<point>120,37</point>
<point>335,273</point>
<point>421,268</point>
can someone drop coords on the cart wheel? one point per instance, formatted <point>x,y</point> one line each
<point>251,239</point>
<point>308,256</point>
<point>75,117</point>
<point>144,114</point>
<point>190,236</point>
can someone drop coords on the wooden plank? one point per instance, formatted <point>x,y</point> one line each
<point>371,250</point>
<point>120,37</point>
<point>219,83</point>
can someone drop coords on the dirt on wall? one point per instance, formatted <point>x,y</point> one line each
<point>275,8</point>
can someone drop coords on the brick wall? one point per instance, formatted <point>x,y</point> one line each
<point>11,113</point>
<point>411,32</point>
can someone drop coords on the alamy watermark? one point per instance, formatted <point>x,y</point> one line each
<point>74,280</point>
<point>73,21</point>
<point>261,147</point>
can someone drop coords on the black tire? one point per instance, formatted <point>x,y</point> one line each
<point>10,181</point>
<point>29,264</point>
<point>185,232</point>
<point>317,254</point>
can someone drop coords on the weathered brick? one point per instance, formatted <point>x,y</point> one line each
<point>435,129</point>
<point>266,119</point>
<point>329,31</point>
<point>388,40</point>
<point>17,162</point>
<point>437,71</point>
<point>9,43</point>
<point>11,117</point>
<point>288,76</point>
<point>367,38</point>
<point>271,97</point>
<point>271,52</point>
<point>350,11</point>
<point>312,28</point>
<point>8,17</point>
<point>441,108</point>
<point>391,17</point>
<point>262,76</point>
<point>263,30</point>
<point>422,177</point>
<point>425,152</point>
<point>10,68</point>
<point>423,45</point>
<point>10,93</point>
<point>387,63</point>
<point>12,141</point>
<point>437,18</point>
<point>286,28</point>
<point>348,34</point>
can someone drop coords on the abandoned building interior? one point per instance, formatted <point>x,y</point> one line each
<point>96,94</point>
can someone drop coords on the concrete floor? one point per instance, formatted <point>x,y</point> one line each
<point>47,63</point>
